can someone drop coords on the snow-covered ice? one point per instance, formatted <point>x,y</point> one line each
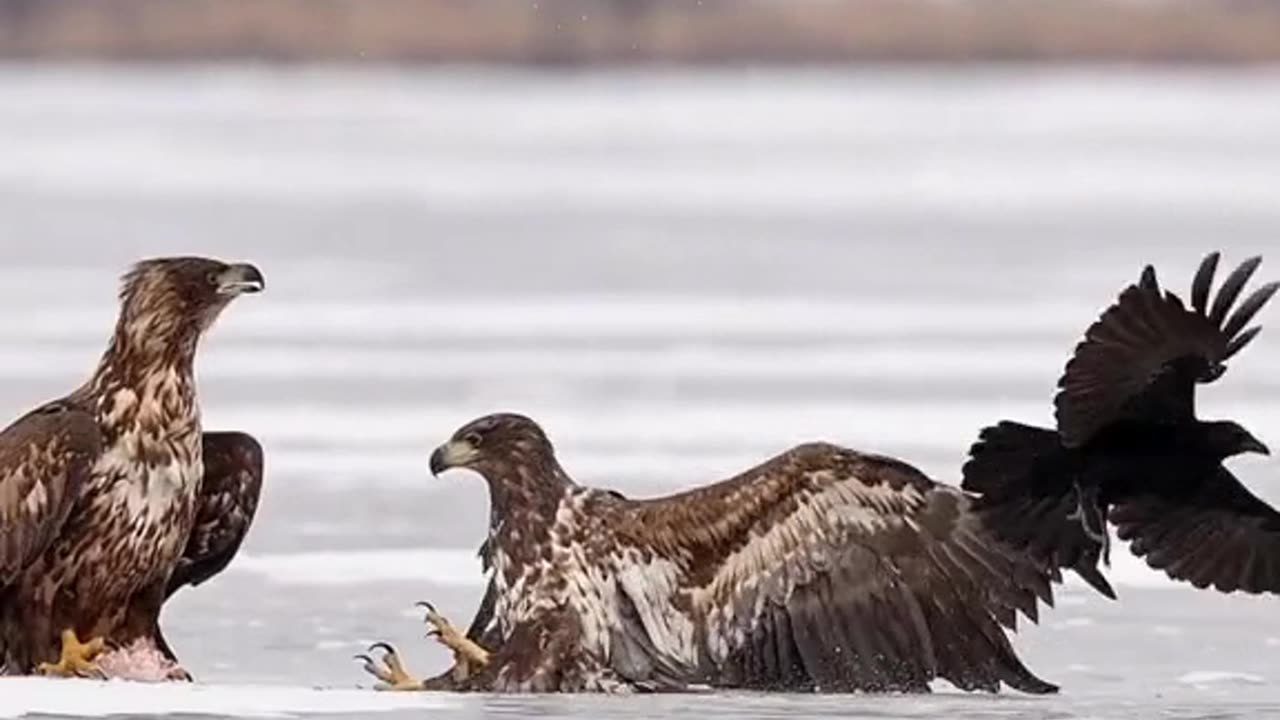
<point>86,698</point>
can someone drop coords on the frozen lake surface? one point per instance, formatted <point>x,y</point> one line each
<point>678,275</point>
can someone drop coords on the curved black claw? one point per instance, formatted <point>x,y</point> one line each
<point>368,665</point>
<point>431,612</point>
<point>385,647</point>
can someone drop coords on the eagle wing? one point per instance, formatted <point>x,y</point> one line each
<point>1142,358</point>
<point>829,569</point>
<point>1223,537</point>
<point>45,457</point>
<point>233,470</point>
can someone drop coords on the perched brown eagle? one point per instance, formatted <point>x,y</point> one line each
<point>822,569</point>
<point>112,498</point>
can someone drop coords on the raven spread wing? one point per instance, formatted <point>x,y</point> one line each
<point>1142,359</point>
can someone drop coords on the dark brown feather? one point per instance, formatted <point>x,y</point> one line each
<point>920,593</point>
<point>229,493</point>
<point>44,458</point>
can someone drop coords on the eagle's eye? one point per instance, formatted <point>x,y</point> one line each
<point>212,278</point>
<point>472,438</point>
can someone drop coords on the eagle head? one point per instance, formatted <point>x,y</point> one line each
<point>495,445</point>
<point>174,295</point>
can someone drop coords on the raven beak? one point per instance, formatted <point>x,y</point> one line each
<point>1254,445</point>
<point>455,453</point>
<point>240,279</point>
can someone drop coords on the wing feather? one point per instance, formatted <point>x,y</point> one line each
<point>879,578</point>
<point>45,457</point>
<point>1224,537</point>
<point>1231,288</point>
<point>1249,308</point>
<point>233,471</point>
<point>1202,285</point>
<point>1145,354</point>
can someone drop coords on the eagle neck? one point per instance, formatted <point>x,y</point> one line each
<point>523,487</point>
<point>146,376</point>
<point>524,501</point>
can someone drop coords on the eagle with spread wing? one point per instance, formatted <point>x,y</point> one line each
<point>112,498</point>
<point>1128,448</point>
<point>822,569</point>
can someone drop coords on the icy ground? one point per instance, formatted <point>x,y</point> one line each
<point>280,644</point>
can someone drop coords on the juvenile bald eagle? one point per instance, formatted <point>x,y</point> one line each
<point>1129,448</point>
<point>822,569</point>
<point>111,497</point>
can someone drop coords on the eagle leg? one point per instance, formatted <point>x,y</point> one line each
<point>468,657</point>
<point>389,669</point>
<point>77,658</point>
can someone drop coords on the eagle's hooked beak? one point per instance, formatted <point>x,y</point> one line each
<point>239,279</point>
<point>455,453</point>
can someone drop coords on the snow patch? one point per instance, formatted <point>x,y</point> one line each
<point>458,568</point>
<point>1215,677</point>
<point>88,698</point>
<point>338,645</point>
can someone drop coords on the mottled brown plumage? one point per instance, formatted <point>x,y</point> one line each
<point>229,493</point>
<point>821,569</point>
<point>100,491</point>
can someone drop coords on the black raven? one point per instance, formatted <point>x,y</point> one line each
<point>1129,448</point>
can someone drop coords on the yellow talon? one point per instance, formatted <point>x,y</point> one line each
<point>468,657</point>
<point>77,658</point>
<point>389,670</point>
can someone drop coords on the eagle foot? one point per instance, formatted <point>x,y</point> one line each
<point>468,657</point>
<point>389,670</point>
<point>77,658</point>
